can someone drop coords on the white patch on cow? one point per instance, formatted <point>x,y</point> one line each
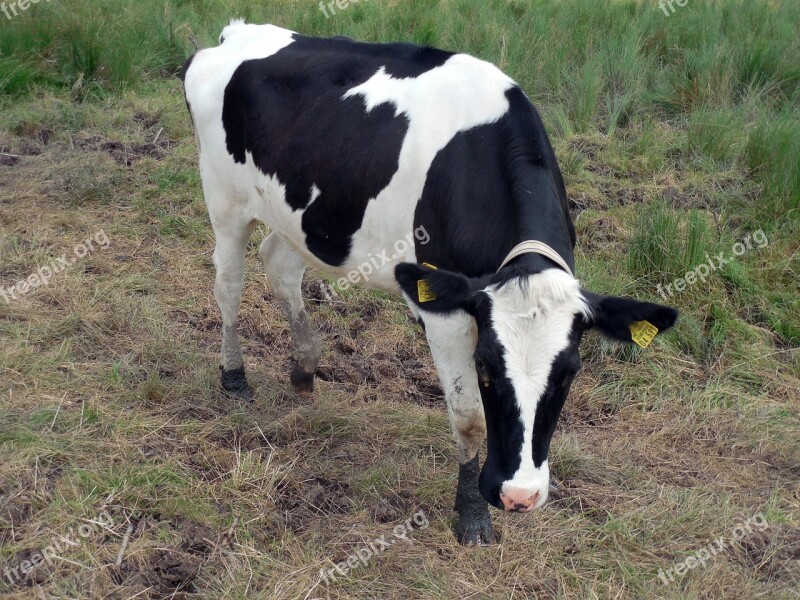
<point>315,193</point>
<point>235,193</point>
<point>210,72</point>
<point>532,320</point>
<point>461,94</point>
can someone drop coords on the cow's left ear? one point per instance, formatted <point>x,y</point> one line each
<point>614,316</point>
<point>434,290</point>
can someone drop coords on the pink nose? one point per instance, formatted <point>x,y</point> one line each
<point>518,500</point>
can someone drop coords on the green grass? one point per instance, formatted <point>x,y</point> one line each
<point>731,67</point>
<point>678,137</point>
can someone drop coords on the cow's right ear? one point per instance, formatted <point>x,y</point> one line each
<point>434,290</point>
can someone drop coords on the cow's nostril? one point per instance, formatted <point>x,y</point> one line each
<point>518,500</point>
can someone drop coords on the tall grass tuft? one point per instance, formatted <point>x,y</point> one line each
<point>773,154</point>
<point>668,243</point>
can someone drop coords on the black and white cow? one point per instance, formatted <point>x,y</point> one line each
<point>343,148</point>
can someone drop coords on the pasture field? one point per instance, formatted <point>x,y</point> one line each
<point>678,132</point>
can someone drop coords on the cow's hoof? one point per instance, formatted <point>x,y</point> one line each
<point>302,381</point>
<point>234,382</point>
<point>475,530</point>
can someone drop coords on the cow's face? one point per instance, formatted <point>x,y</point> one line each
<point>526,358</point>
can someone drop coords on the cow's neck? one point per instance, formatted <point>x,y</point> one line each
<point>476,246</point>
<point>548,225</point>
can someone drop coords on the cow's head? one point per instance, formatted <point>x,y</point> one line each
<point>526,358</point>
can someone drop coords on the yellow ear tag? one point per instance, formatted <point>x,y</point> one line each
<point>643,332</point>
<point>424,291</point>
<point>430,266</point>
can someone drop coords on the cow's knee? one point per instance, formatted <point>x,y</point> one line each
<point>469,428</point>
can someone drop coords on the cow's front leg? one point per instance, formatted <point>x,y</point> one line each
<point>452,342</point>
<point>285,269</point>
<point>474,520</point>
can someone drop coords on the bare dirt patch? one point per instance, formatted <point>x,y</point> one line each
<point>173,570</point>
<point>124,154</point>
<point>303,503</point>
<point>13,514</point>
<point>773,553</point>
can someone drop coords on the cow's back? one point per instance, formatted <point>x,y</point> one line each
<point>330,140</point>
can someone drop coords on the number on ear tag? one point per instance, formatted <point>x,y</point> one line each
<point>424,291</point>
<point>643,332</point>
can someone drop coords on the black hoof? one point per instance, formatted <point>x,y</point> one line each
<point>475,530</point>
<point>234,382</point>
<point>302,381</point>
<point>474,521</point>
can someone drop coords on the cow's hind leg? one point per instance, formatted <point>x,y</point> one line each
<point>284,268</point>
<point>229,259</point>
<point>452,343</point>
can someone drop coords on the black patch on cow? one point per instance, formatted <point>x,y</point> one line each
<point>490,188</point>
<point>287,111</point>
<point>565,367</point>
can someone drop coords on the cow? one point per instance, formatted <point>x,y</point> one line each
<point>343,148</point>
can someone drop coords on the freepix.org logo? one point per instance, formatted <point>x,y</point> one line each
<point>15,573</point>
<point>45,273</point>
<point>713,263</point>
<point>714,547</point>
<point>13,9</point>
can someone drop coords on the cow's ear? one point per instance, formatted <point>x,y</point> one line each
<point>614,316</point>
<point>434,290</point>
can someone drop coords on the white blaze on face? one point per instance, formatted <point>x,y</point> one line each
<point>532,320</point>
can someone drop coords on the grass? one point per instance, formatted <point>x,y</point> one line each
<point>678,137</point>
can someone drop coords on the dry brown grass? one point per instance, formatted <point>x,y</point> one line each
<point>110,402</point>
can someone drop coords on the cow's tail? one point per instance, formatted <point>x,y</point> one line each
<point>184,71</point>
<point>194,41</point>
<point>197,48</point>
